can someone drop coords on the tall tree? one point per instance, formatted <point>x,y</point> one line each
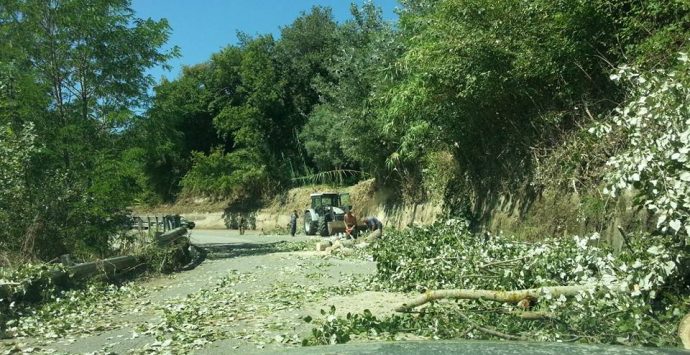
<point>490,80</point>
<point>85,62</point>
<point>179,122</point>
<point>344,131</point>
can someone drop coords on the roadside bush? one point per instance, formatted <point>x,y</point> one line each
<point>169,258</point>
<point>654,122</point>
<point>26,285</point>
<point>635,298</point>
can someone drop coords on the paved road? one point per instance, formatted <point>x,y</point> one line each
<point>247,297</point>
<point>219,236</point>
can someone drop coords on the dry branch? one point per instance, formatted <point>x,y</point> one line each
<point>493,295</point>
<point>501,262</point>
<point>490,331</point>
<point>499,334</point>
<point>533,315</point>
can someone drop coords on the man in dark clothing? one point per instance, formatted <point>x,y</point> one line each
<point>293,223</point>
<point>373,224</point>
<point>375,227</point>
<point>242,224</point>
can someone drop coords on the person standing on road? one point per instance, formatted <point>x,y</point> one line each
<point>293,223</point>
<point>350,224</point>
<point>242,224</point>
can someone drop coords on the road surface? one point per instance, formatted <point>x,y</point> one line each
<point>247,296</point>
<point>229,237</point>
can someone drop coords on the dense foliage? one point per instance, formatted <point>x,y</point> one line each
<point>71,76</point>
<point>492,85</point>
<point>656,126</point>
<point>637,297</point>
<point>459,98</point>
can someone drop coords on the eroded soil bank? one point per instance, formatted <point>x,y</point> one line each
<point>366,197</point>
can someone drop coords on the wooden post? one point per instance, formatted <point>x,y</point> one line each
<point>156,223</point>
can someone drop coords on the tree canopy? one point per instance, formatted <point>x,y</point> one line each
<point>457,95</point>
<point>72,74</point>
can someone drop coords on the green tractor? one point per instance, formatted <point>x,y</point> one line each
<point>326,214</point>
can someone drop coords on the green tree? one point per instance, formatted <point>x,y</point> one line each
<point>16,151</point>
<point>262,92</point>
<point>304,50</point>
<point>489,81</point>
<point>179,122</point>
<point>647,33</point>
<point>76,70</point>
<point>344,131</point>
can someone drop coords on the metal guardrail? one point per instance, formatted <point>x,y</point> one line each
<point>107,266</point>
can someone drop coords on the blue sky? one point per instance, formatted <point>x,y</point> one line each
<point>203,27</point>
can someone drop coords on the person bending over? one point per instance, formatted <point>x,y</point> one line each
<point>374,226</point>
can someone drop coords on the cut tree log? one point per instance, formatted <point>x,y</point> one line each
<point>498,296</point>
<point>343,251</point>
<point>684,331</point>
<point>346,243</point>
<point>322,246</point>
<point>373,236</point>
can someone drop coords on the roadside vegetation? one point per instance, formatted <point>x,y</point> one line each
<point>462,100</point>
<point>477,103</point>
<point>636,297</point>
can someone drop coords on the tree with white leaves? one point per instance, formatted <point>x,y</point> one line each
<point>655,122</point>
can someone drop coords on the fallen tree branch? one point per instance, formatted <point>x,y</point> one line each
<point>491,331</point>
<point>493,295</point>
<point>499,334</point>
<point>533,315</point>
<point>500,262</point>
<point>625,238</point>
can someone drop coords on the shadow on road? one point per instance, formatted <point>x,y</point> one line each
<point>234,250</point>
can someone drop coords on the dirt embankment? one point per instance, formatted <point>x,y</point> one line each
<point>366,198</point>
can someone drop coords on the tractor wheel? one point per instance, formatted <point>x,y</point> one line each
<point>309,227</point>
<point>323,226</point>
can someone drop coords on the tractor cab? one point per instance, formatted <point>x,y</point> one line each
<point>326,213</point>
<point>326,200</point>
